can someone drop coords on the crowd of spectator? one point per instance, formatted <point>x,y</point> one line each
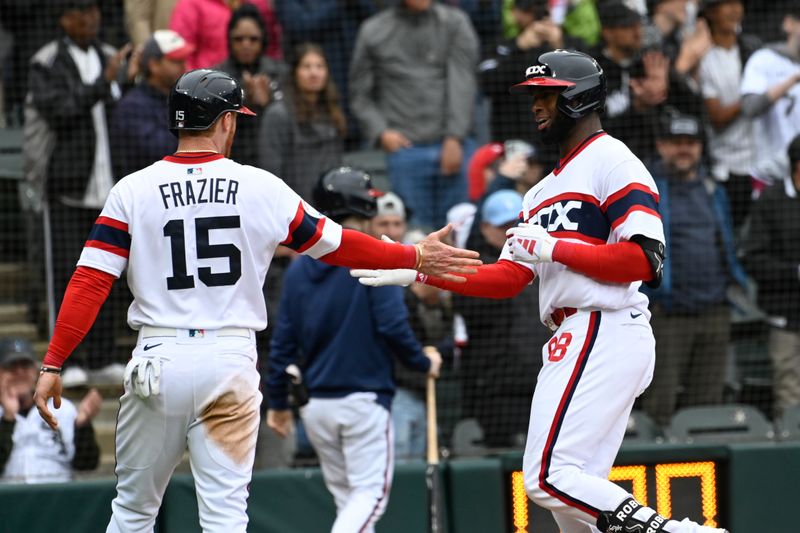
<point>705,96</point>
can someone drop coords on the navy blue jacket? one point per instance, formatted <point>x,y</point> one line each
<point>722,216</point>
<point>139,131</point>
<point>340,333</point>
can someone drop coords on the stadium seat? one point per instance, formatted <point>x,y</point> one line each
<point>641,429</point>
<point>788,425</point>
<point>719,424</point>
<point>468,438</point>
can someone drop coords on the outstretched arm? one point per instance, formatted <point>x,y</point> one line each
<point>504,279</point>
<point>431,256</point>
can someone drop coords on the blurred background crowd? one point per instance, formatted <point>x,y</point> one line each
<point>415,92</point>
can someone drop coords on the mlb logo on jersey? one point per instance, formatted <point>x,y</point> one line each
<point>194,171</point>
<point>197,333</point>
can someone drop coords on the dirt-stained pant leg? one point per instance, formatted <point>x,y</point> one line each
<point>209,397</point>
<point>222,439</point>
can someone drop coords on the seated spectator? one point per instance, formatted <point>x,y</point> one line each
<point>334,29</point>
<point>730,139</point>
<point>429,317</point>
<point>139,132</point>
<point>203,23</point>
<point>770,88</point>
<point>513,164</point>
<point>418,110</point>
<point>690,314</point>
<point>31,452</point>
<point>498,366</point>
<point>145,17</point>
<point>520,168</point>
<point>505,64</point>
<point>72,88</point>
<point>302,135</point>
<point>772,255</point>
<point>260,76</point>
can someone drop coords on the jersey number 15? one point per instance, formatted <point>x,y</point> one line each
<point>180,279</point>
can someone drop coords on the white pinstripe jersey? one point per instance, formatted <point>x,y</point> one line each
<point>600,193</point>
<point>197,234</point>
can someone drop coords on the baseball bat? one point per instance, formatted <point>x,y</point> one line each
<point>432,476</point>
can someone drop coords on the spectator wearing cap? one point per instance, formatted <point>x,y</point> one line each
<point>505,63</point>
<point>430,316</point>
<point>690,313</point>
<point>31,452</point>
<point>139,132</point>
<point>72,90</point>
<point>418,106</point>
<point>772,256</point>
<point>770,89</point>
<point>260,76</point>
<point>639,78</point>
<point>498,368</point>
<point>730,139</point>
<point>667,20</point>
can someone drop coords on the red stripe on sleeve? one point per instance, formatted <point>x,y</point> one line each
<point>100,245</point>
<point>114,223</point>
<point>641,208</point>
<point>298,218</point>
<point>314,238</point>
<point>622,262</point>
<point>624,191</point>
<point>359,250</point>
<point>87,290</point>
<point>504,279</point>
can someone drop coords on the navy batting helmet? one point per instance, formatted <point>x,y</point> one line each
<point>201,96</point>
<point>581,78</point>
<point>342,192</point>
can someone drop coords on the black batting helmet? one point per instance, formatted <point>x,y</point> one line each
<point>201,96</point>
<point>342,192</point>
<point>581,78</point>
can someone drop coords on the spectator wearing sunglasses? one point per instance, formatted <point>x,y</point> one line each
<point>260,76</point>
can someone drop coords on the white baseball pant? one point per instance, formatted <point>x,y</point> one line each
<point>353,438</point>
<point>208,400</point>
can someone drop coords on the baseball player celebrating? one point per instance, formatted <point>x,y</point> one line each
<point>196,232</point>
<point>592,234</point>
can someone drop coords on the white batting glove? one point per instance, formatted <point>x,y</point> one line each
<point>380,278</point>
<point>530,243</point>
<point>143,375</point>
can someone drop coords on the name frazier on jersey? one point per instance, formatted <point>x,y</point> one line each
<point>199,191</point>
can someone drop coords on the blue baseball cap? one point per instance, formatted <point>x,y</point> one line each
<point>502,207</point>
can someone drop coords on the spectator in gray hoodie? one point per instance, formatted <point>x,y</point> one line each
<point>413,89</point>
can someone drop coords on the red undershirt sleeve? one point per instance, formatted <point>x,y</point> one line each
<point>358,250</point>
<point>622,262</point>
<point>87,290</point>
<point>504,279</point>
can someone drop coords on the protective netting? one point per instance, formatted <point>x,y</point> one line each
<point>702,91</point>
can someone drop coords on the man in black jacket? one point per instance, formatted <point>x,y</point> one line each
<point>72,84</point>
<point>773,258</point>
